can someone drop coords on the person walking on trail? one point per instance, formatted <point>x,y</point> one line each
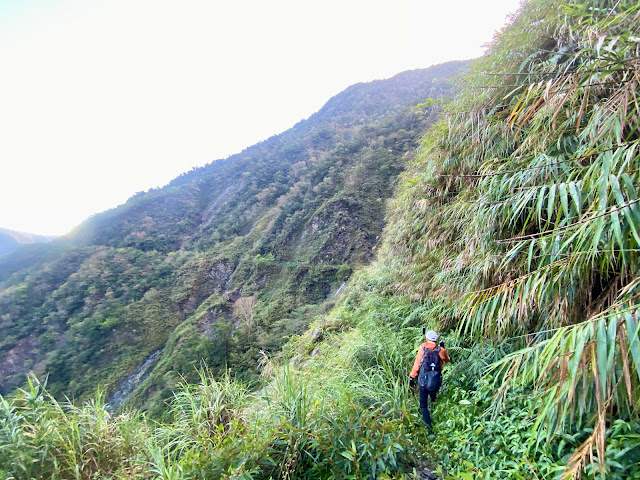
<point>427,370</point>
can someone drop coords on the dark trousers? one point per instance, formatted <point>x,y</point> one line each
<point>424,404</point>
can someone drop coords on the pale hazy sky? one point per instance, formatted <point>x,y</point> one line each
<point>101,99</point>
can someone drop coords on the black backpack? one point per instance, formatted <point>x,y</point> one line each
<point>430,376</point>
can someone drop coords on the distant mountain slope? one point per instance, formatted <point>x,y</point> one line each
<point>11,240</point>
<point>224,262</point>
<point>191,197</point>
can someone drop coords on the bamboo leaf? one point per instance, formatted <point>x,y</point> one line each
<point>601,356</point>
<point>564,199</point>
<point>576,197</point>
<point>611,344</point>
<point>576,357</point>
<point>629,213</point>
<point>597,234</point>
<point>634,342</point>
<point>629,186</point>
<point>615,189</point>
<point>615,221</point>
<point>551,201</point>
<point>532,244</point>
<point>604,182</point>
<point>624,355</point>
<point>541,198</point>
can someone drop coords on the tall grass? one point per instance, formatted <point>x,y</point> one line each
<point>303,424</point>
<point>42,438</point>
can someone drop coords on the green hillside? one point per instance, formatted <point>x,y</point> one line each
<point>513,231</point>
<point>224,262</point>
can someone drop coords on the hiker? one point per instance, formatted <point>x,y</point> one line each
<point>427,370</point>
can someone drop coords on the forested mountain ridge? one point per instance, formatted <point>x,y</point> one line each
<point>191,201</point>
<point>226,260</point>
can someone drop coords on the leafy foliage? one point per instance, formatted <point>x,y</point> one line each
<point>524,219</point>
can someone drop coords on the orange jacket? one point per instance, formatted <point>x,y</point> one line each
<point>429,345</point>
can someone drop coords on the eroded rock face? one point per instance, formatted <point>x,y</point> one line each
<point>208,324</point>
<point>214,279</point>
<point>342,236</point>
<point>220,272</point>
<point>17,360</point>
<point>188,305</point>
<point>317,335</point>
<point>217,202</point>
<point>349,245</point>
<point>260,281</point>
<point>128,385</point>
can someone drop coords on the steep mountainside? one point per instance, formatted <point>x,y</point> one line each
<point>10,240</point>
<point>514,232</point>
<point>225,261</point>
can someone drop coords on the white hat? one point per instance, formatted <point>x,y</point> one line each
<point>431,335</point>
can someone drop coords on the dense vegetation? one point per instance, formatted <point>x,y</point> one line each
<point>224,262</point>
<point>515,231</point>
<point>523,234</point>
